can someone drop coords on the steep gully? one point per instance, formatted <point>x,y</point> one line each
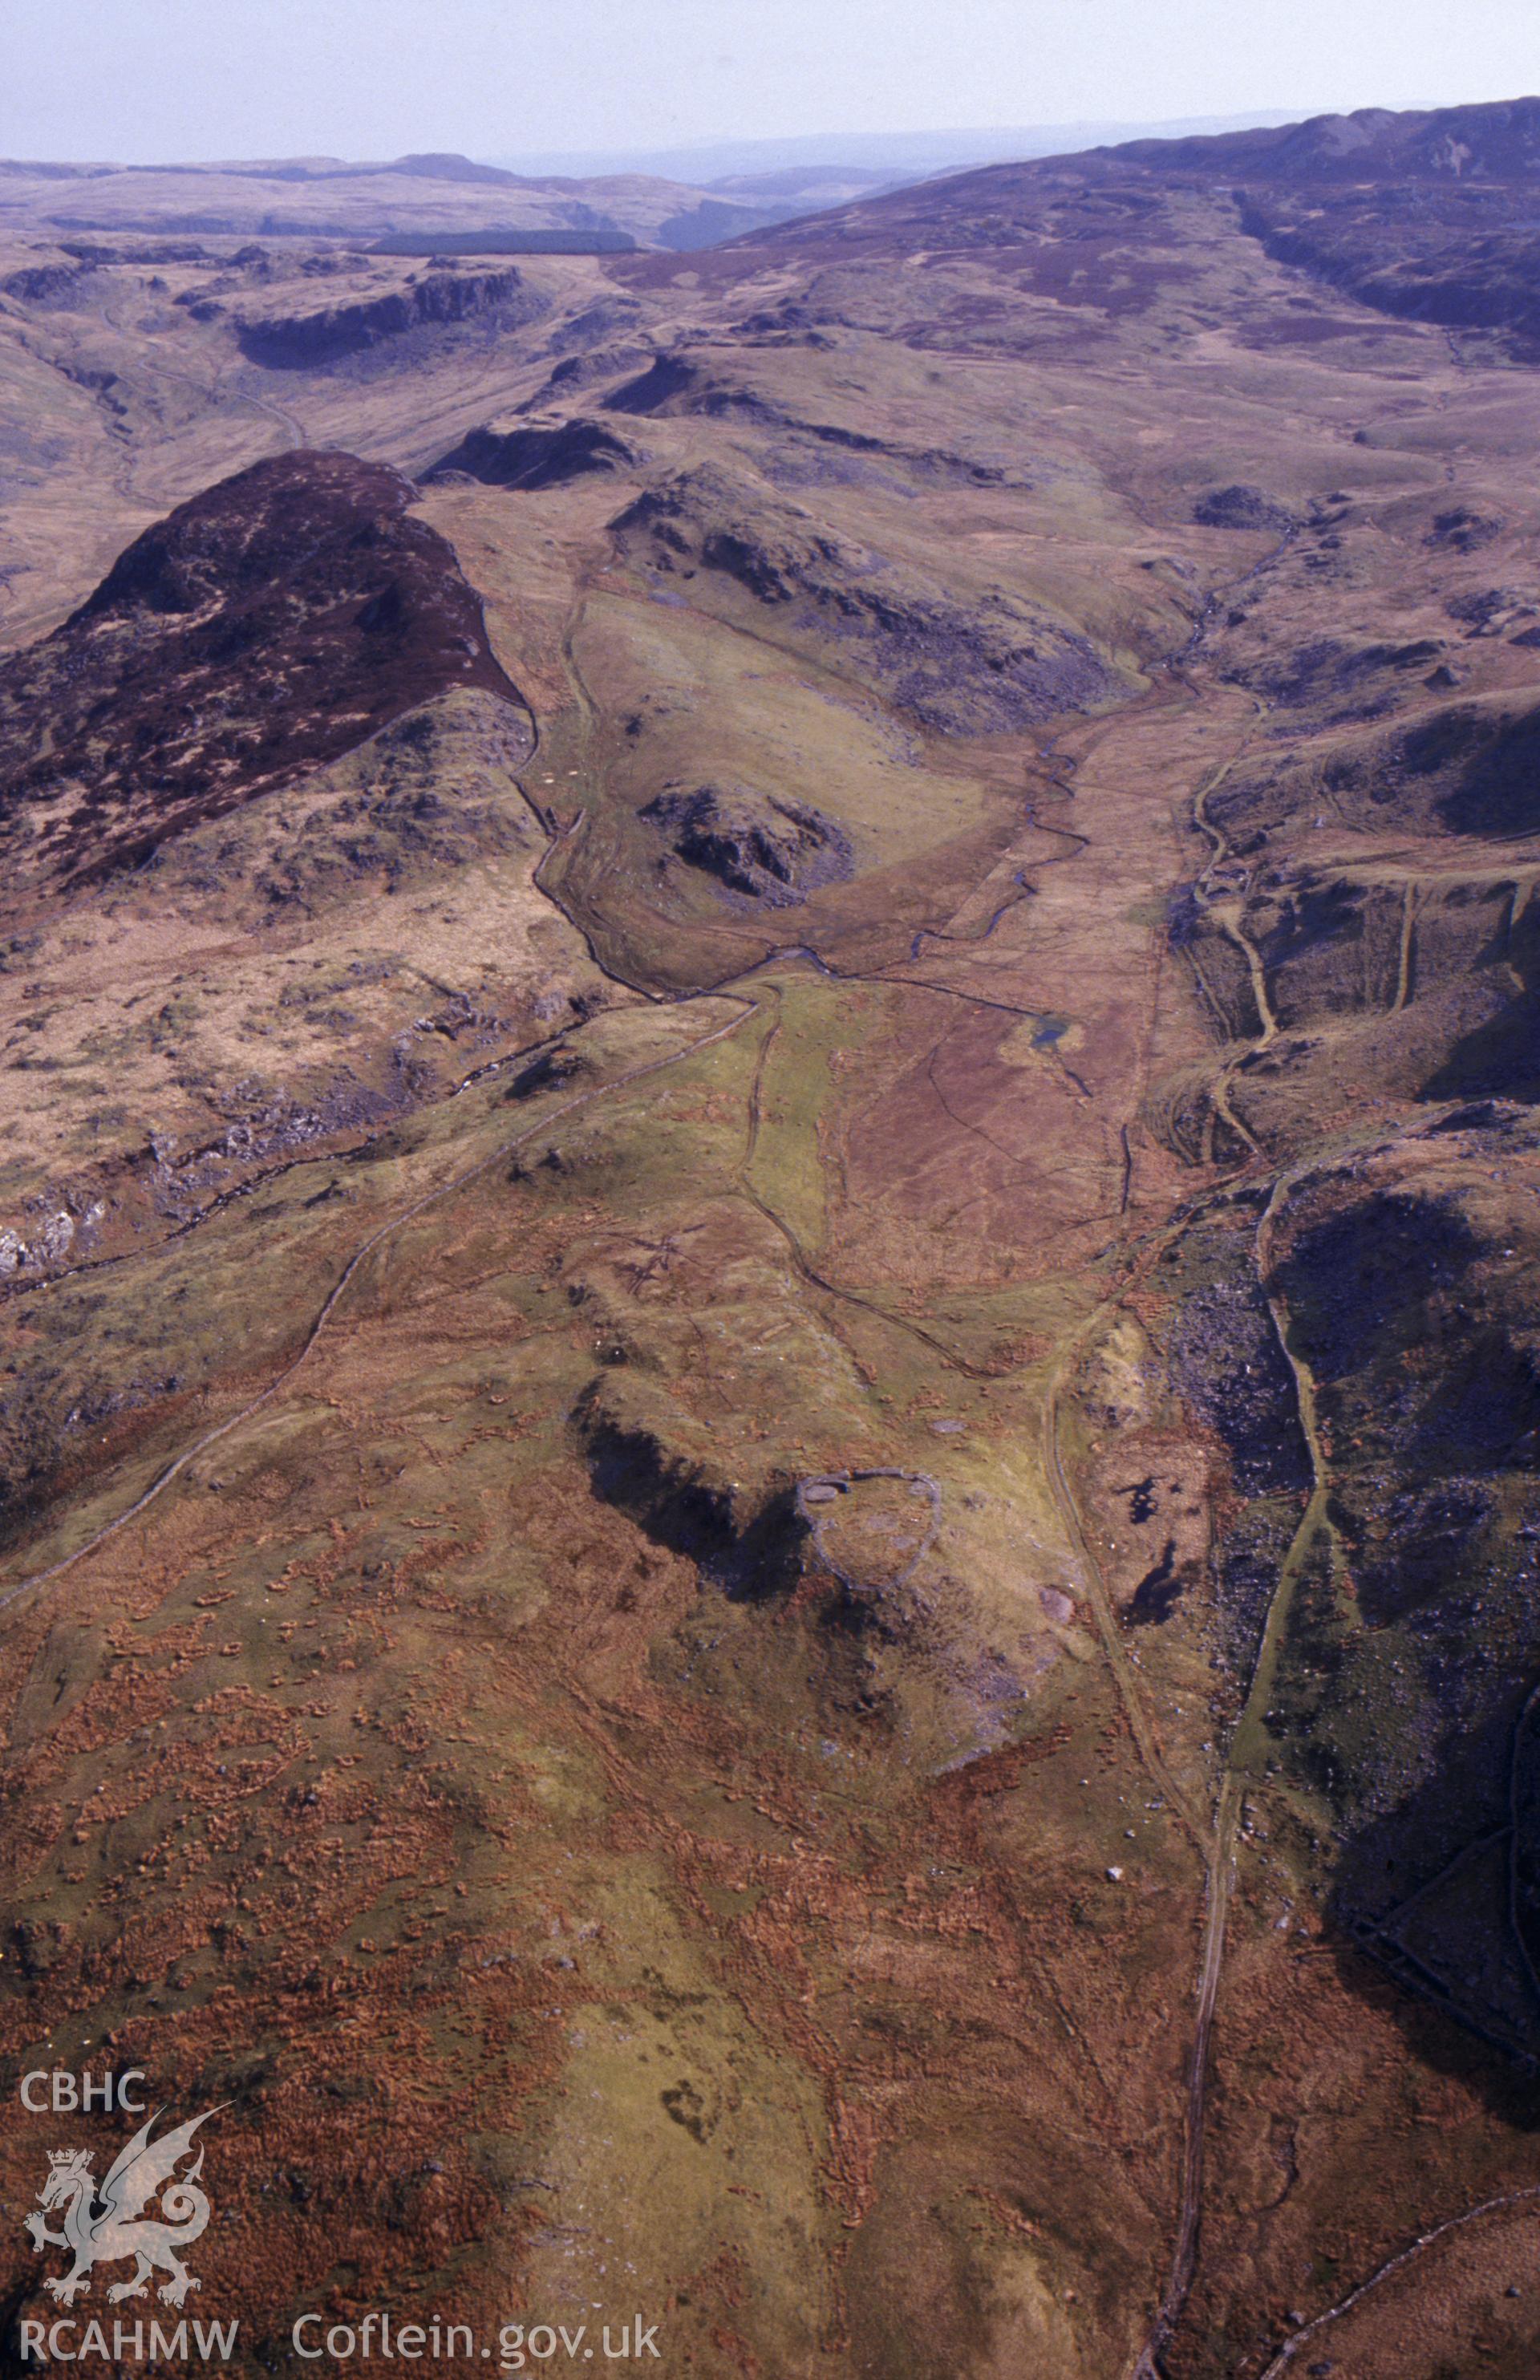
<point>1249,1733</point>
<point>1249,1739</point>
<point>1214,1840</point>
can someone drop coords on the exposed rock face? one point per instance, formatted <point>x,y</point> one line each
<point>1225,1354</point>
<point>1347,680</point>
<point>1468,768</point>
<point>45,285</point>
<point>582,370</point>
<point>767,846</point>
<point>965,668</point>
<point>542,455</point>
<point>1241,507</point>
<point>666,382</point>
<point>271,624</point>
<point>1463,530</point>
<point>1414,213</point>
<point>643,1456</point>
<point>436,301</point>
<point>425,797</point>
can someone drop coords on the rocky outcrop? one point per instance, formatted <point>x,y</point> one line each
<point>991,666</point>
<point>1242,507</point>
<point>274,622</point>
<point>299,342</point>
<point>767,847</point>
<point>539,455</point>
<point>1349,681</point>
<point>646,1455</point>
<point>46,284</point>
<point>1466,769</point>
<point>670,380</point>
<point>579,371</point>
<point>1463,530</point>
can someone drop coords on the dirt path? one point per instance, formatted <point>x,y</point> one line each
<point>1184,2255</point>
<point>365,1248</point>
<point>1150,1750</point>
<point>1212,1833</point>
<point>172,1470</point>
<point>1246,1741</point>
<point>1425,2240</point>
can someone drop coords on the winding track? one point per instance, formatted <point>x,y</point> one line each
<point>1216,1847</point>
<point>1395,2264</point>
<point>1215,1858</point>
<point>365,1248</point>
<point>1249,1735</point>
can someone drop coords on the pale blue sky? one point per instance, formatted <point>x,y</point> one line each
<point>203,79</point>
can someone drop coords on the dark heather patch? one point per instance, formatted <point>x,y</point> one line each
<point>276,621</point>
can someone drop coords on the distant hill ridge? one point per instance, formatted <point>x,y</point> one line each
<point>440,200</point>
<point>1427,214</point>
<point>1498,140</point>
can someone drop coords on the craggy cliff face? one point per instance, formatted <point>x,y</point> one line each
<point>771,1431</point>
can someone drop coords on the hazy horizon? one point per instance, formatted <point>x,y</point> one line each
<point>143,81</point>
<point>923,149</point>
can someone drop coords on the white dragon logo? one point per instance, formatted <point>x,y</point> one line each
<point>105,2233</point>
